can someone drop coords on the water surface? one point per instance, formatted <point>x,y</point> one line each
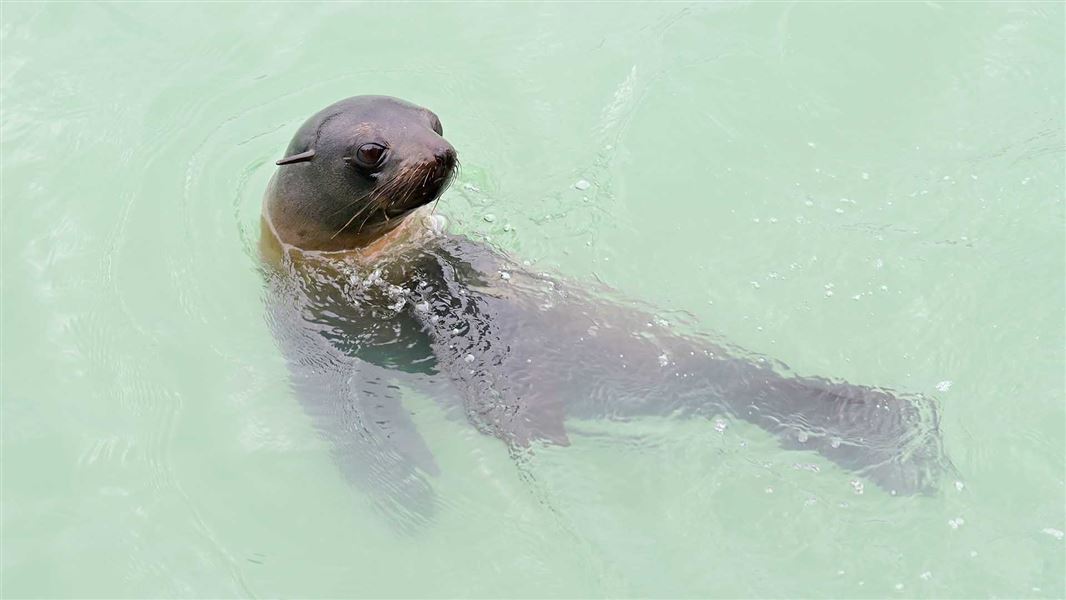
<point>872,192</point>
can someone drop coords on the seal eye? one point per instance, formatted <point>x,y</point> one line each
<point>369,156</point>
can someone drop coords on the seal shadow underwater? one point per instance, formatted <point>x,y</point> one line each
<point>366,300</point>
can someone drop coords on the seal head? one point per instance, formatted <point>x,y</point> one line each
<point>354,170</point>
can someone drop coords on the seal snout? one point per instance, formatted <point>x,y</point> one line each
<point>421,181</point>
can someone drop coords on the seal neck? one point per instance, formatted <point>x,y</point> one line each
<point>274,248</point>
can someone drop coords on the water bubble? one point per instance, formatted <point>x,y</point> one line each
<point>469,358</point>
<point>436,223</point>
<point>959,485</point>
<point>943,386</point>
<point>663,360</point>
<point>857,487</point>
<point>582,185</point>
<point>926,575</point>
<point>1055,533</point>
<point>956,523</point>
<point>865,175</point>
<point>373,278</point>
<point>720,425</point>
<point>489,218</point>
<point>802,437</point>
<point>504,275</point>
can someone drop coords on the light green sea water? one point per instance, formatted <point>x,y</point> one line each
<point>873,192</point>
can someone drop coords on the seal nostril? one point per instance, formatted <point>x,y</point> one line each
<point>445,157</point>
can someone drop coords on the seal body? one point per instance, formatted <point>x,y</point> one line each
<point>388,305</point>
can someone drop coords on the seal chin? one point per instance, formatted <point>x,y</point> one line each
<point>399,213</point>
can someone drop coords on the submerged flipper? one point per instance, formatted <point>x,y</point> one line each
<point>355,404</point>
<point>372,437</point>
<point>891,439</point>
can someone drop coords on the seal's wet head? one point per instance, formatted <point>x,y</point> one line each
<point>356,169</point>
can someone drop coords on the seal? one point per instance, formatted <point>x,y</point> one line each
<point>367,303</point>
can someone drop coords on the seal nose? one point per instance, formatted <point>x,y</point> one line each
<point>445,157</point>
<point>443,162</point>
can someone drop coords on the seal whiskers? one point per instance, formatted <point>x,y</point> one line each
<point>349,222</point>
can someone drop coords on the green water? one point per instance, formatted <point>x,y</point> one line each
<point>873,192</point>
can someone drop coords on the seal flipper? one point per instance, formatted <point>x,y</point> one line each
<point>372,438</point>
<point>461,313</point>
<point>520,418</point>
<point>891,439</point>
<point>353,403</point>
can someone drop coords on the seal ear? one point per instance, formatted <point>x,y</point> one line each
<point>296,158</point>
